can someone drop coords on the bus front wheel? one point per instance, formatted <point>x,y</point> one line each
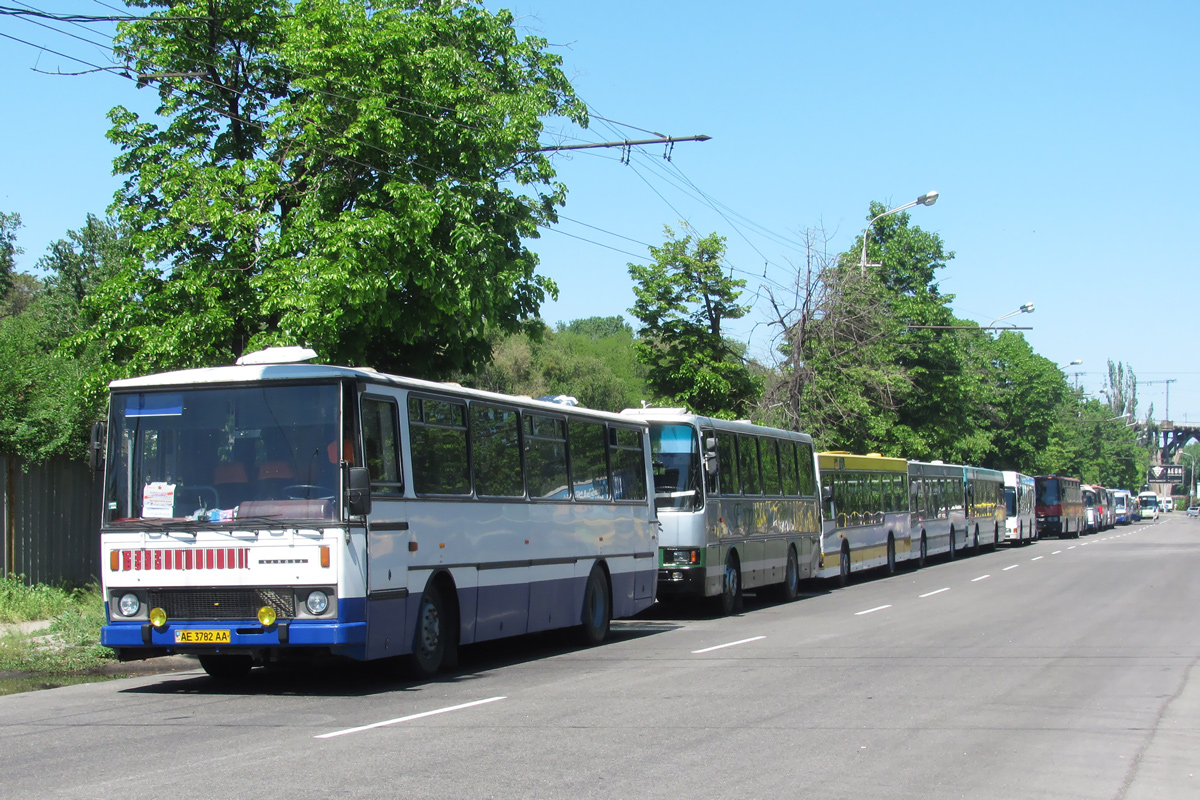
<point>789,590</point>
<point>730,598</point>
<point>430,638</point>
<point>226,668</point>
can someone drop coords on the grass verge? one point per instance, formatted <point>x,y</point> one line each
<point>70,644</point>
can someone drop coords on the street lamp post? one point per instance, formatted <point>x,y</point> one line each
<point>1192,482</point>
<point>927,199</point>
<point>1025,309</point>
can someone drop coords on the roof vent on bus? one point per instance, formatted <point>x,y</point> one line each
<point>278,355</point>
<point>937,461</point>
<point>561,399</point>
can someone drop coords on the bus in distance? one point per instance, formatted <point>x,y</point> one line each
<point>1020,524</point>
<point>1059,506</point>
<point>277,509</point>
<point>738,507</point>
<point>865,514</point>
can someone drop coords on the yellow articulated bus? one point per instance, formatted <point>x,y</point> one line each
<point>865,519</point>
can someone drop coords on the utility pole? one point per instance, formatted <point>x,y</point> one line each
<point>1168,382</point>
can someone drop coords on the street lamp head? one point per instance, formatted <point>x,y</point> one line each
<point>1027,308</point>
<point>928,199</point>
<point>1076,361</point>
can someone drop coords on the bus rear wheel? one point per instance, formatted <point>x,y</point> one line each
<point>597,608</point>
<point>789,590</point>
<point>891,556</point>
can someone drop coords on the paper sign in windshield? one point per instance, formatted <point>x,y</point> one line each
<point>158,500</point>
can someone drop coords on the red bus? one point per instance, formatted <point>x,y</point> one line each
<point>1059,506</point>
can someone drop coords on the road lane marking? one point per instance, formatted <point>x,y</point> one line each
<point>935,591</point>
<point>871,610</point>
<point>981,577</point>
<point>728,644</point>
<point>409,718</point>
<point>1014,566</point>
<point>1072,547</point>
<point>1038,558</point>
<point>1056,552</point>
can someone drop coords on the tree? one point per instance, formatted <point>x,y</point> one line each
<point>682,300</point>
<point>8,249</point>
<point>355,177</point>
<point>838,379</point>
<point>590,359</point>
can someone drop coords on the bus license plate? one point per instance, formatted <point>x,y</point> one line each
<point>188,636</point>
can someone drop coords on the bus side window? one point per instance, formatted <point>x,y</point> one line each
<point>546,457</point>
<point>629,465</point>
<point>438,439</point>
<point>381,444</point>
<point>589,460</point>
<point>748,465</point>
<point>727,449</point>
<point>787,468</point>
<point>808,477</point>
<point>770,465</point>
<point>496,452</point>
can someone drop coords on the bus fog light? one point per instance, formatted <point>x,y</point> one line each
<point>317,602</point>
<point>266,616</point>
<point>158,617</point>
<point>129,604</point>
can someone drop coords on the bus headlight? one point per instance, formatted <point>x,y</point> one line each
<point>129,604</point>
<point>317,602</point>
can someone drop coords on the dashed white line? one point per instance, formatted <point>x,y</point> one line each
<point>1072,547</point>
<point>981,577</point>
<point>1037,558</point>
<point>935,591</point>
<point>1014,566</point>
<point>727,644</point>
<point>871,610</point>
<point>408,718</point>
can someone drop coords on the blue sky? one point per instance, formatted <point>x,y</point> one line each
<point>1061,137</point>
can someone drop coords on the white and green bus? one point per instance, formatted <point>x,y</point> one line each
<point>738,507</point>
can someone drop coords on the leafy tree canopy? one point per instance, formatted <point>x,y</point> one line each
<point>353,176</point>
<point>682,300</point>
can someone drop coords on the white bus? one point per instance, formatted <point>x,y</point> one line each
<point>937,509</point>
<point>865,513</point>
<point>1020,524</point>
<point>738,507</point>
<point>274,509</point>
<point>1122,506</point>
<point>1148,503</point>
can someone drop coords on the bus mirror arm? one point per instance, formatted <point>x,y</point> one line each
<point>358,498</point>
<point>96,446</point>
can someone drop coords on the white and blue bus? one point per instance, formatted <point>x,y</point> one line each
<point>738,507</point>
<point>280,509</point>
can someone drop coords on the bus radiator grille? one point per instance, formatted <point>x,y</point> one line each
<point>222,604</point>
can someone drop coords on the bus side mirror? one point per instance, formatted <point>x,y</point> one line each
<point>826,494</point>
<point>358,498</point>
<point>96,445</point>
<point>712,464</point>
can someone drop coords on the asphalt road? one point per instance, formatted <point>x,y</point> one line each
<point>1059,670</point>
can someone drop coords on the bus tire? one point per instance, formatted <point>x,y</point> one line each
<point>996,537</point>
<point>844,566</point>
<point>891,555</point>
<point>730,599</point>
<point>975,545</point>
<point>430,639</point>
<point>789,590</point>
<point>597,608</point>
<point>924,552</point>
<point>226,668</point>
<point>953,548</point>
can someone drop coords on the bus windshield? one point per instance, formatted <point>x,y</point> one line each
<point>213,455</point>
<point>1010,500</point>
<point>1048,493</point>
<point>677,467</point>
